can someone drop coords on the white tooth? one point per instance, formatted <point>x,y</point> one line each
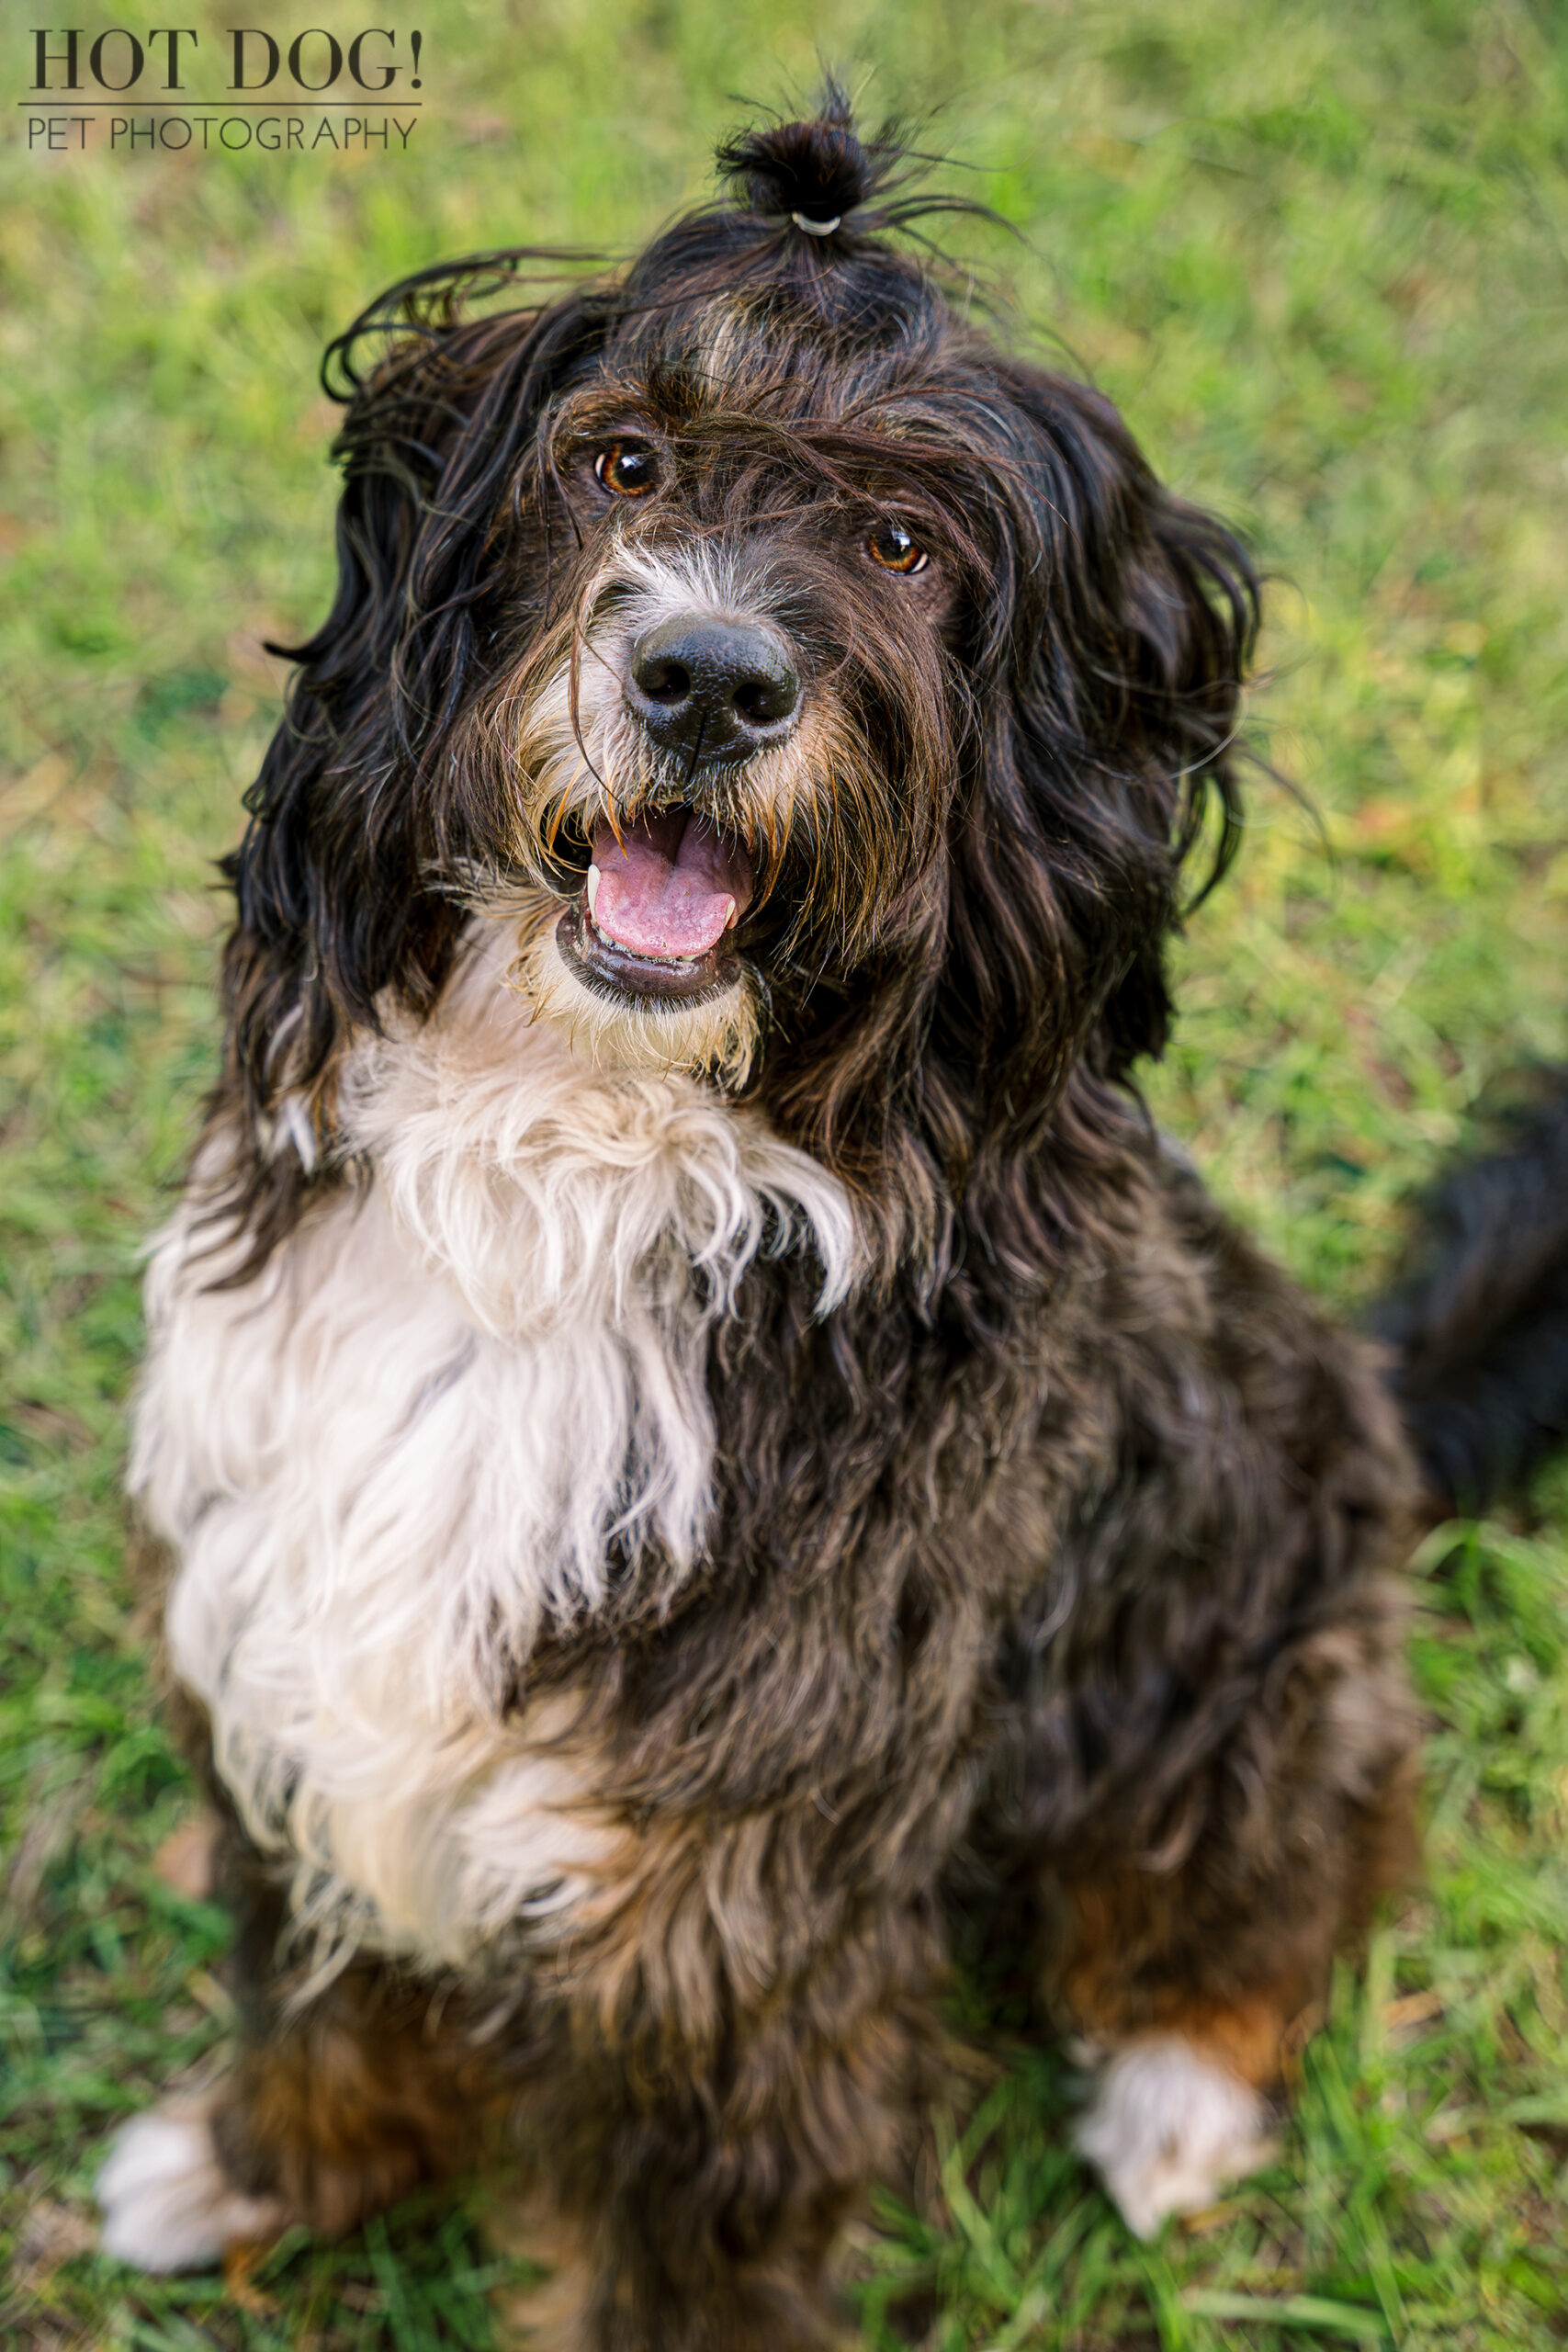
<point>730,918</point>
<point>593,888</point>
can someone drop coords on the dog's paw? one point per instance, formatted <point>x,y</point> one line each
<point>1167,2126</point>
<point>167,2203</point>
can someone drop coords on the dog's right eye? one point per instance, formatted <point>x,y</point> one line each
<point>626,469</point>
<point>891,545</point>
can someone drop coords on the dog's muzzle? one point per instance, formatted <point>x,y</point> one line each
<point>714,691</point>
<point>668,883</point>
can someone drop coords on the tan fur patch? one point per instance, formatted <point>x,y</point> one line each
<point>549,2314</point>
<point>355,2107</point>
<point>1115,1925</point>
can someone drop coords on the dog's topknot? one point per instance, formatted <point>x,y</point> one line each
<point>814,174</point>
<point>837,189</point>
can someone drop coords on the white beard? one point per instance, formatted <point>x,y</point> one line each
<point>393,1459</point>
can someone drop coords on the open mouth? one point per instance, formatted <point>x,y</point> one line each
<point>657,916</point>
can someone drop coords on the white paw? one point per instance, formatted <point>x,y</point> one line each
<point>1167,2126</point>
<point>167,2203</point>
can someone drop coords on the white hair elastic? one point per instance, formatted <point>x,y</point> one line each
<point>817,228</point>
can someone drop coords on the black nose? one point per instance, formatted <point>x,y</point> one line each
<point>716,690</point>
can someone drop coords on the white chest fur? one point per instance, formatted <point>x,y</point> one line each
<point>389,1462</point>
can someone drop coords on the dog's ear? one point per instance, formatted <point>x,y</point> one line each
<point>333,877</point>
<point>1124,623</point>
<point>1134,623</point>
<point>1184,609</point>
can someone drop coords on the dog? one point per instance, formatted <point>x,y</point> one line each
<point>701,1431</point>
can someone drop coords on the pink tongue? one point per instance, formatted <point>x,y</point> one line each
<point>670,885</point>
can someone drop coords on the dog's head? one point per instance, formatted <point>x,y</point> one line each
<point>839,693</point>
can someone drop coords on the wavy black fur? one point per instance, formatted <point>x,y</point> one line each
<point>1050,1572</point>
<point>1110,625</point>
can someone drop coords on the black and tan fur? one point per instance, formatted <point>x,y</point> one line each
<point>1049,1567</point>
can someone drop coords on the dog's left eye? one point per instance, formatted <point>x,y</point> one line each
<point>891,545</point>
<point>626,469</point>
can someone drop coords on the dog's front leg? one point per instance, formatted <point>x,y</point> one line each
<point>334,2107</point>
<point>327,2118</point>
<point>697,2191</point>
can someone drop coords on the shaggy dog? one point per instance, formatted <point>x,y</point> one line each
<point>701,1430</point>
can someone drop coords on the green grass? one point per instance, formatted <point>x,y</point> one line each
<point>1320,255</point>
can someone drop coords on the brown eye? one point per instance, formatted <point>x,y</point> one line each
<point>626,469</point>
<point>891,547</point>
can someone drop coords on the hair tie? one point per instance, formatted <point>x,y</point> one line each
<point>817,228</point>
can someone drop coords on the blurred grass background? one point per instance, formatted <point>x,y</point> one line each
<point>1319,254</point>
